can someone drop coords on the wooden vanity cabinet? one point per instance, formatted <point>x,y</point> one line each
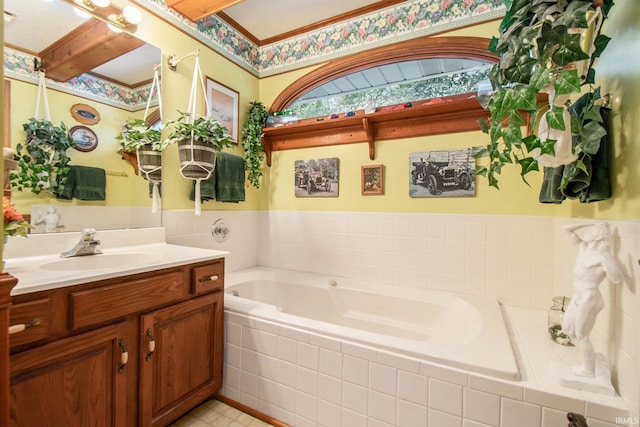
<point>181,358</point>
<point>137,350</point>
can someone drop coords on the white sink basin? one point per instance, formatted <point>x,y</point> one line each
<point>99,261</point>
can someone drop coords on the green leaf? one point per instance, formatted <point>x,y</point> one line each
<point>493,43</point>
<point>600,44</point>
<point>526,99</point>
<point>569,50</point>
<point>512,135</point>
<point>528,164</point>
<point>591,137</point>
<point>567,82</point>
<point>531,142</point>
<point>590,78</point>
<point>539,79</point>
<point>495,133</point>
<point>481,171</point>
<point>548,146</point>
<point>555,117</point>
<point>516,119</point>
<point>484,126</point>
<point>575,16</point>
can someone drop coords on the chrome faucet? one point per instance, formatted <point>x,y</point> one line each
<point>86,246</point>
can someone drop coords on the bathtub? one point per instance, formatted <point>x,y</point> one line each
<point>462,332</point>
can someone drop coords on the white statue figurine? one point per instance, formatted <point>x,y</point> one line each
<point>593,263</point>
<point>50,220</point>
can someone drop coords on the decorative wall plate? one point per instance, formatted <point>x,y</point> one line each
<point>85,138</point>
<point>85,114</point>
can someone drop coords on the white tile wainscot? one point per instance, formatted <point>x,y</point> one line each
<point>306,379</point>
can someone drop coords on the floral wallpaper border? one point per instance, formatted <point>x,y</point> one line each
<point>19,65</point>
<point>404,21</point>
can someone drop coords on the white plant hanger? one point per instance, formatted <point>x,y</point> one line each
<point>191,162</point>
<point>148,170</point>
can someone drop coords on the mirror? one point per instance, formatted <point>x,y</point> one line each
<point>96,80</point>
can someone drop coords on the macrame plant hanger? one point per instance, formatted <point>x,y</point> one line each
<point>149,161</point>
<point>197,161</point>
<point>42,92</point>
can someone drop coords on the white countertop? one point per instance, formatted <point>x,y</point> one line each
<point>36,262</point>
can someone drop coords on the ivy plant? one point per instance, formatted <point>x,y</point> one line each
<point>136,134</point>
<point>541,50</point>
<point>205,130</point>
<point>43,163</point>
<point>252,141</point>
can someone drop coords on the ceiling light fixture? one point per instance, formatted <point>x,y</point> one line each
<point>125,19</point>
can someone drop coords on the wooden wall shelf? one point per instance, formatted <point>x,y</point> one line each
<point>454,114</point>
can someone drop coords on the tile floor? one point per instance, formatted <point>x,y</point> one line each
<point>213,413</point>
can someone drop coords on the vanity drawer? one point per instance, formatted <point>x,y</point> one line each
<point>209,277</point>
<point>35,315</point>
<point>109,302</point>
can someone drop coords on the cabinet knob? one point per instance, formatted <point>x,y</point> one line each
<point>151,347</point>
<point>124,355</point>
<point>13,329</point>
<point>209,279</point>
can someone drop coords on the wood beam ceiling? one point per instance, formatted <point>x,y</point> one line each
<point>85,48</point>
<point>198,9</point>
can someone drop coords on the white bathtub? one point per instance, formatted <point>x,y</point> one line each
<point>452,330</point>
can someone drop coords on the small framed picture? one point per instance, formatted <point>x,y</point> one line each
<point>85,114</point>
<point>84,138</point>
<point>372,180</point>
<point>224,106</point>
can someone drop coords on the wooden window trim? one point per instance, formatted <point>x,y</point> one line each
<point>457,113</point>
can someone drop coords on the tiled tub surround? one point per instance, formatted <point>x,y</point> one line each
<point>459,331</point>
<point>523,261</point>
<point>310,379</point>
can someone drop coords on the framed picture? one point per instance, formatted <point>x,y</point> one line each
<point>372,180</point>
<point>444,173</point>
<point>316,178</point>
<point>84,138</point>
<point>223,105</point>
<point>85,114</point>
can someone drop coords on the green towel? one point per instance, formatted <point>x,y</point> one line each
<point>229,174</point>
<point>207,189</point>
<point>575,180</point>
<point>600,187</point>
<point>84,183</point>
<point>550,191</point>
<point>588,183</point>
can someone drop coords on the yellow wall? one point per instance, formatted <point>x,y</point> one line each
<point>514,196</point>
<point>176,86</point>
<point>277,190</point>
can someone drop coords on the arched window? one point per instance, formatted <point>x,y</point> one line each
<point>440,80</point>
<point>424,67</point>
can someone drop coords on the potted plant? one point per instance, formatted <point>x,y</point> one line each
<point>252,141</point>
<point>14,222</point>
<point>147,144</point>
<point>199,139</point>
<point>545,47</point>
<point>42,159</point>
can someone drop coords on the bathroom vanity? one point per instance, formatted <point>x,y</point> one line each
<point>139,344</point>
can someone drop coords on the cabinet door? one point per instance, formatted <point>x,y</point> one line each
<point>75,382</point>
<point>181,358</point>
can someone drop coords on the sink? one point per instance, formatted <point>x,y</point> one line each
<point>99,261</point>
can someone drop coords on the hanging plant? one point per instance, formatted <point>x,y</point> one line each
<point>136,134</point>
<point>252,141</point>
<point>42,159</point>
<point>541,47</point>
